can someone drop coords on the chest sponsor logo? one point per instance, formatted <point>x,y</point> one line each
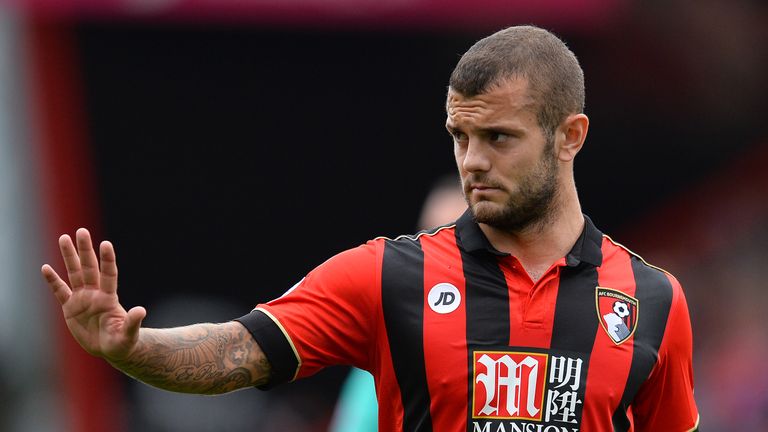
<point>444,298</point>
<point>617,312</point>
<point>527,391</point>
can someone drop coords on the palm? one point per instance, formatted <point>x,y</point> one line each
<point>95,320</point>
<point>89,303</point>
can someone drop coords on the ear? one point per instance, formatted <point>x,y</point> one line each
<point>570,136</point>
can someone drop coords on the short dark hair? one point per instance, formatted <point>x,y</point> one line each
<point>555,79</point>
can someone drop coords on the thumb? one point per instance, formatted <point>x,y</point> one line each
<point>133,321</point>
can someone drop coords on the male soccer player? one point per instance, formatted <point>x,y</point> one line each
<point>521,316</point>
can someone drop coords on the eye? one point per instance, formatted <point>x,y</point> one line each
<point>498,137</point>
<point>459,136</point>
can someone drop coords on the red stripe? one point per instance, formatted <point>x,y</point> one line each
<point>89,386</point>
<point>609,363</point>
<point>531,315</point>
<point>445,354</point>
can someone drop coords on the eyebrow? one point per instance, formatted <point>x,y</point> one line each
<point>500,128</point>
<point>488,129</point>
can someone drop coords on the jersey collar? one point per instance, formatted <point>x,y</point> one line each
<point>588,247</point>
<point>472,237</point>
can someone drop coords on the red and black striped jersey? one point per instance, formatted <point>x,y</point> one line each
<point>459,338</point>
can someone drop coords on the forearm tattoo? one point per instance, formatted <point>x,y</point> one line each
<point>202,358</point>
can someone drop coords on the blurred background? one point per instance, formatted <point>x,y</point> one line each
<point>228,147</point>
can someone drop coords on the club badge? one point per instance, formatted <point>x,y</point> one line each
<point>617,312</point>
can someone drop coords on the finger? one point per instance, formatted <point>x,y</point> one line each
<point>108,282</point>
<point>133,321</point>
<point>88,261</point>
<point>71,262</point>
<point>60,289</point>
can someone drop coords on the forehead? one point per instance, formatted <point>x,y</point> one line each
<point>506,102</point>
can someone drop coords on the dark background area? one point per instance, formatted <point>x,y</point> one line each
<point>242,158</point>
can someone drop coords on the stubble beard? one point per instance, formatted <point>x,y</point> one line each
<point>530,207</point>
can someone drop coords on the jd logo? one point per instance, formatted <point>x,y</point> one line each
<point>444,298</point>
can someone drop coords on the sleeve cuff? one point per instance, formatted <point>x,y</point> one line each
<point>276,344</point>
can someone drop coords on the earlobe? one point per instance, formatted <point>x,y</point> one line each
<point>573,132</point>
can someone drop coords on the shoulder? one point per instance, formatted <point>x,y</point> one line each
<point>410,249</point>
<point>661,301</point>
<point>365,261</point>
<point>663,318</point>
<point>649,279</point>
<point>354,263</point>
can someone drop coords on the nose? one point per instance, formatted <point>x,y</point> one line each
<point>475,157</point>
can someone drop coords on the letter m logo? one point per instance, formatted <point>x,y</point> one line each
<point>509,385</point>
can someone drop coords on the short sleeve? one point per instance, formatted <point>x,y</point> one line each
<point>328,318</point>
<point>665,401</point>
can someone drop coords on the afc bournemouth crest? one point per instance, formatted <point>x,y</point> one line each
<point>617,313</point>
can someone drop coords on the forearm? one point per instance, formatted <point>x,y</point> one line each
<point>201,358</point>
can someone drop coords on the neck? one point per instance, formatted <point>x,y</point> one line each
<point>541,244</point>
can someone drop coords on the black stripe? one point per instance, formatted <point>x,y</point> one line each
<point>575,323</point>
<point>654,296</point>
<point>276,347</point>
<point>487,308</point>
<point>402,296</point>
<point>487,302</point>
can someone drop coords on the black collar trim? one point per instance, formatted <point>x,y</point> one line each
<point>588,247</point>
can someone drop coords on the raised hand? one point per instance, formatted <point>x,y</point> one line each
<point>89,303</point>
